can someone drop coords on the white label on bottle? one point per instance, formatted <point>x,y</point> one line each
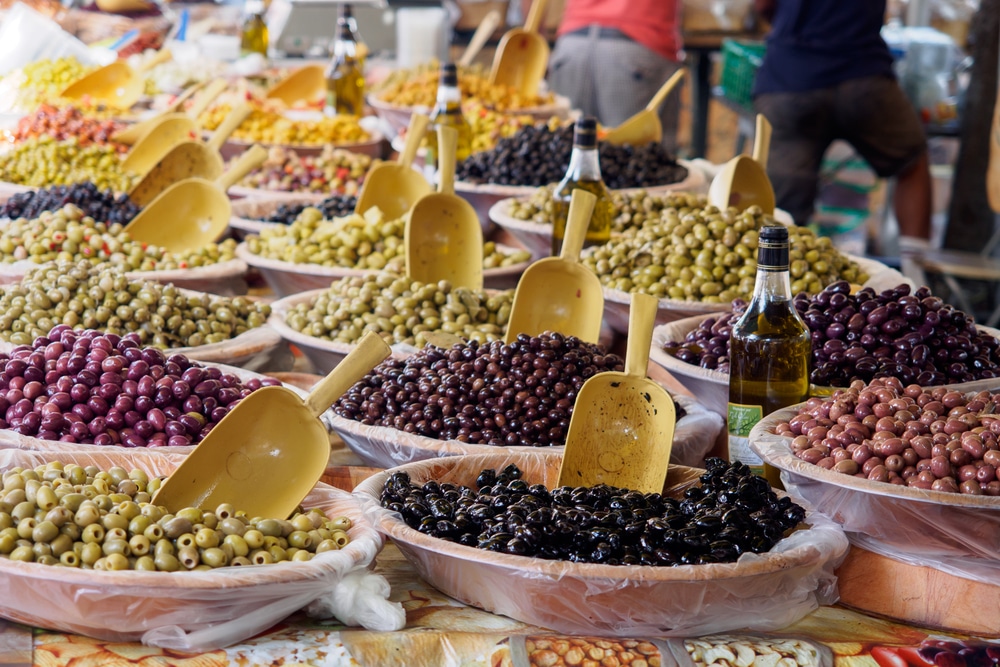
<point>739,450</point>
<point>742,418</point>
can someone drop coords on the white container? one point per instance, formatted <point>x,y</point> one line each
<point>421,35</point>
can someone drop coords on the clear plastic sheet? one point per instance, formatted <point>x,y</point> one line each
<point>955,533</point>
<point>27,35</point>
<point>186,611</point>
<point>759,592</point>
<point>386,447</point>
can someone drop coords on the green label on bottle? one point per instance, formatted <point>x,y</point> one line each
<point>741,419</point>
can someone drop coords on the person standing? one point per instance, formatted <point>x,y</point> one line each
<point>826,75</point>
<point>611,56</point>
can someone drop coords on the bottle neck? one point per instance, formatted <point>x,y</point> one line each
<point>448,96</point>
<point>773,282</point>
<point>584,163</point>
<point>345,46</point>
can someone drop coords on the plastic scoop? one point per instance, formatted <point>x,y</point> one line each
<point>153,147</point>
<point>558,293</point>
<point>522,55</point>
<point>130,135</point>
<point>270,450</point>
<point>195,211</point>
<point>305,85</point>
<point>394,186</point>
<point>480,37</point>
<point>189,159</point>
<point>622,428</point>
<point>443,237</point>
<point>743,181</point>
<point>645,126</point>
<point>116,85</point>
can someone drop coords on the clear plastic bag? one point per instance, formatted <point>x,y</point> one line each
<point>386,447</point>
<point>187,611</point>
<point>955,533</point>
<point>27,35</point>
<point>758,592</point>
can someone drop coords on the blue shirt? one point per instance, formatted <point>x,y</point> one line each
<point>821,43</point>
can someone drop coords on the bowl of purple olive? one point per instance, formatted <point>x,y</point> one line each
<point>719,549</point>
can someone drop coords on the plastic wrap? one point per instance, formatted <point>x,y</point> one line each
<point>28,35</point>
<point>386,447</point>
<point>288,278</point>
<point>183,611</point>
<point>12,440</point>
<point>955,533</point>
<point>759,592</point>
<point>222,279</point>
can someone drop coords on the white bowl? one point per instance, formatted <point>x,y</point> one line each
<point>765,591</point>
<point>192,611</point>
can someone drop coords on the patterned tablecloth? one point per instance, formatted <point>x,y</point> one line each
<point>441,632</point>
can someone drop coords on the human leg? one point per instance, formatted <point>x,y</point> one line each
<point>571,71</point>
<point>802,130</point>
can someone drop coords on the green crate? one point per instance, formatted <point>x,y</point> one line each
<point>740,62</point>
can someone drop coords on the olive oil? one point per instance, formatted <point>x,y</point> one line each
<point>345,80</point>
<point>254,38</point>
<point>584,172</point>
<point>769,351</point>
<point>448,113</point>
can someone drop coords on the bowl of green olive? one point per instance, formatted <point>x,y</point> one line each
<point>327,323</point>
<point>144,573</point>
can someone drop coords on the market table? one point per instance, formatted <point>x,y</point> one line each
<point>441,631</point>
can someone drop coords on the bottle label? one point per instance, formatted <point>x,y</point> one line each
<point>741,419</point>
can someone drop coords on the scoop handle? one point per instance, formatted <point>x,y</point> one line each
<point>762,141</point>
<point>185,95</point>
<point>480,37</point>
<point>369,352</point>
<point>665,89</point>
<point>251,158</point>
<point>206,97</point>
<point>447,145</point>
<point>535,14</point>
<point>233,120</point>
<point>581,208</point>
<point>414,135</point>
<point>161,56</point>
<point>641,317</point>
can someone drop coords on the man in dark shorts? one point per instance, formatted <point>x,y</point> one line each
<point>827,75</point>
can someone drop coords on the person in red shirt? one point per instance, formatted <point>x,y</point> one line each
<point>611,56</point>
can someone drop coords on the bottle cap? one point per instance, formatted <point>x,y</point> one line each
<point>345,11</point>
<point>449,74</point>
<point>585,132</point>
<point>772,247</point>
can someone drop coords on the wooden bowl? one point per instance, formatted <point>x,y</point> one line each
<point>385,447</point>
<point>484,196</point>
<point>763,591</point>
<point>160,608</point>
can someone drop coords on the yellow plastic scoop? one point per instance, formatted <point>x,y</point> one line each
<point>193,212</point>
<point>189,159</point>
<point>558,293</point>
<point>305,85</point>
<point>522,55</point>
<point>117,85</point>
<point>153,147</point>
<point>743,181</point>
<point>395,186</point>
<point>480,37</point>
<point>133,133</point>
<point>645,127</point>
<point>443,237</point>
<point>622,428</point>
<point>270,450</point>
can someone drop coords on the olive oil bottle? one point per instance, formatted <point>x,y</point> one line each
<point>345,80</point>
<point>254,37</point>
<point>769,351</point>
<point>584,172</point>
<point>448,113</point>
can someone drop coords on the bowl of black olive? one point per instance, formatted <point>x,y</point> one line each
<point>719,550</point>
<point>537,155</point>
<point>931,344</point>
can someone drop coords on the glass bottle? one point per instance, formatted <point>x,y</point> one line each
<point>584,172</point>
<point>360,49</point>
<point>769,351</point>
<point>448,113</point>
<point>254,30</point>
<point>345,82</point>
